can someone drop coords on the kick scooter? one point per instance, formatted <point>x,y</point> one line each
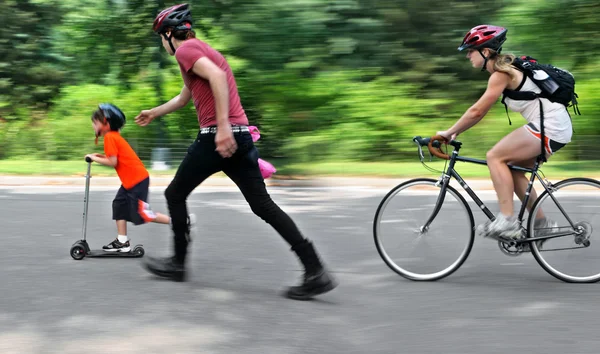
<point>81,249</point>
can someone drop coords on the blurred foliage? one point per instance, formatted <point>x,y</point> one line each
<point>30,71</point>
<point>323,79</point>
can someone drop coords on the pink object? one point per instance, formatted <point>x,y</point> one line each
<point>254,132</point>
<point>266,169</point>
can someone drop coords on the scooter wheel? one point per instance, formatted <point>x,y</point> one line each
<point>138,251</point>
<point>78,252</point>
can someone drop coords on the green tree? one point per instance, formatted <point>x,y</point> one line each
<point>30,73</point>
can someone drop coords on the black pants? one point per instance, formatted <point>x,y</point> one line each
<point>202,161</point>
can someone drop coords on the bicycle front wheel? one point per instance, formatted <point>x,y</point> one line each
<point>412,248</point>
<point>573,253</point>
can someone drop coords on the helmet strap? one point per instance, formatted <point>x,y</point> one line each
<point>485,60</point>
<point>169,40</point>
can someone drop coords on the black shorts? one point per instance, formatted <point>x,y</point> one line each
<point>132,204</point>
<point>551,145</point>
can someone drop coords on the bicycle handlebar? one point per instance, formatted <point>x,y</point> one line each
<point>421,141</point>
<point>434,145</point>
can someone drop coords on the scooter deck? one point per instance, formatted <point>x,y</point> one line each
<point>101,253</point>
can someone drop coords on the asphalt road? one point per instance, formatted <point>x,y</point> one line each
<point>51,303</point>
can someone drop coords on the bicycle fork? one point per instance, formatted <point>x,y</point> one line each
<point>443,181</point>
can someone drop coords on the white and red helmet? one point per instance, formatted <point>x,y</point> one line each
<point>484,36</point>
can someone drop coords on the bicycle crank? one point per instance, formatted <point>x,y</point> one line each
<point>511,248</point>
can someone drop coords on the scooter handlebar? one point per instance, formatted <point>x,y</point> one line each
<point>88,159</point>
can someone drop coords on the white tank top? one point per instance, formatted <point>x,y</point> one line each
<point>557,122</point>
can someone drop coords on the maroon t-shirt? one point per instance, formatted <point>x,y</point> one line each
<point>187,54</point>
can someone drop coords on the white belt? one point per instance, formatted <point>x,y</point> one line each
<point>234,129</point>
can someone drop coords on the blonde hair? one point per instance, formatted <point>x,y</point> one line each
<point>503,62</point>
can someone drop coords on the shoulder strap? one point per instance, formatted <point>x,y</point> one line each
<point>506,108</point>
<point>542,156</point>
<point>521,95</point>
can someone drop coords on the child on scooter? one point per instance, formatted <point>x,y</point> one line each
<point>131,202</point>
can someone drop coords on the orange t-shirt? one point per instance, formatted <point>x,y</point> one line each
<point>130,168</point>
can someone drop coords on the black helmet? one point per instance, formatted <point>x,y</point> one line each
<point>178,17</point>
<point>114,116</point>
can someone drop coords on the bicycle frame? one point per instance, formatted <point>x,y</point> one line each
<point>451,172</point>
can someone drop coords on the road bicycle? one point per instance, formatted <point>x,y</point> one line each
<point>435,218</point>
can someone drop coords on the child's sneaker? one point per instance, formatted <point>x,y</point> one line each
<point>501,227</point>
<point>117,246</point>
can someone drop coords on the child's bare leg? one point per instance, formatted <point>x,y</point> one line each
<point>122,231</point>
<point>162,219</point>
<point>122,227</point>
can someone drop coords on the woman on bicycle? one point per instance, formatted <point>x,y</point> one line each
<point>522,146</point>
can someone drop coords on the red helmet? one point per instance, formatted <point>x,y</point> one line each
<point>484,36</point>
<point>177,17</point>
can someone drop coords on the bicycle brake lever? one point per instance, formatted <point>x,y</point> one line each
<point>421,156</point>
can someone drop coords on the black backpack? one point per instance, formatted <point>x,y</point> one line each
<point>556,84</point>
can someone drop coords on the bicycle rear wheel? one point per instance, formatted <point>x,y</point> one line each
<point>574,257</point>
<point>410,249</point>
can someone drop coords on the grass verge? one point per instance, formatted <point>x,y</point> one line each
<point>553,169</point>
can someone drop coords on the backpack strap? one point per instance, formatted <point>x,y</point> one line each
<point>506,109</point>
<point>521,95</point>
<point>575,104</point>
<point>529,96</point>
<point>542,157</point>
<point>517,96</point>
